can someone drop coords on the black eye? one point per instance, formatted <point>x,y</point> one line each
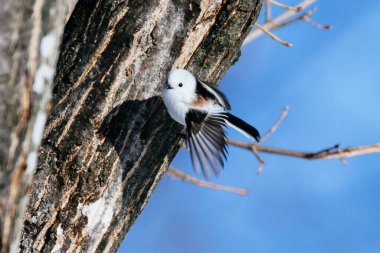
<point>180,84</point>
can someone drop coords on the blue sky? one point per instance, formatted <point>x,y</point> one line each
<point>331,81</point>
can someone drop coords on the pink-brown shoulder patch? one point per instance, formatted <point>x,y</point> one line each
<point>200,101</point>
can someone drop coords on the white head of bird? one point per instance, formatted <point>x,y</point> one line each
<point>178,93</point>
<point>182,85</point>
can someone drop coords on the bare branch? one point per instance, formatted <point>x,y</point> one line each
<point>286,7</point>
<point>270,131</point>
<point>330,153</point>
<point>178,174</point>
<point>320,26</point>
<point>276,124</point>
<point>272,36</point>
<point>333,152</point>
<point>260,159</point>
<point>269,24</point>
<point>306,17</point>
<point>267,10</point>
<point>294,19</point>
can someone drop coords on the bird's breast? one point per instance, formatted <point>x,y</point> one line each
<point>176,109</point>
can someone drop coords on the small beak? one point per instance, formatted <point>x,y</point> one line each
<point>168,86</point>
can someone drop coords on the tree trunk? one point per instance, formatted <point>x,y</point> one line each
<point>30,34</point>
<point>108,138</point>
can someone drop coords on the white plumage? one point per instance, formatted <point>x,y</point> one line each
<point>201,108</point>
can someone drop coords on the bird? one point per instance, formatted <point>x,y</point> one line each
<point>203,110</point>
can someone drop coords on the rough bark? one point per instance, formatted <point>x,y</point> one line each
<point>108,138</point>
<point>30,33</point>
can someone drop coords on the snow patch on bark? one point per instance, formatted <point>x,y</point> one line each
<point>31,162</point>
<point>101,212</point>
<point>99,216</point>
<point>47,45</point>
<point>38,127</point>
<point>60,240</point>
<point>44,74</point>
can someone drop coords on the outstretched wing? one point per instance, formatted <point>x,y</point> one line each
<point>206,138</point>
<point>207,90</point>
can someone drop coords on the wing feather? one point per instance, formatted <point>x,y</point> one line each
<point>207,140</point>
<point>202,156</point>
<point>210,152</point>
<point>194,156</point>
<point>222,99</point>
<point>214,147</point>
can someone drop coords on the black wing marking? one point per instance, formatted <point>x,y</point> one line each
<point>243,127</point>
<point>206,138</point>
<point>208,90</point>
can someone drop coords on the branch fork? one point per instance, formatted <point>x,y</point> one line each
<point>334,152</point>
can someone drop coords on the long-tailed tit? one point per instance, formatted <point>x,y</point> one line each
<point>201,108</point>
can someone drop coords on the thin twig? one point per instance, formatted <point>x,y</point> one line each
<point>286,7</point>
<point>328,150</point>
<point>275,125</point>
<point>270,131</point>
<point>306,17</point>
<point>295,19</point>
<point>178,174</point>
<point>267,10</point>
<point>272,36</point>
<point>268,25</point>
<point>258,157</point>
<point>320,26</point>
<point>331,153</point>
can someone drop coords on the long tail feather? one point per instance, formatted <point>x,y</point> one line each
<point>243,127</point>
